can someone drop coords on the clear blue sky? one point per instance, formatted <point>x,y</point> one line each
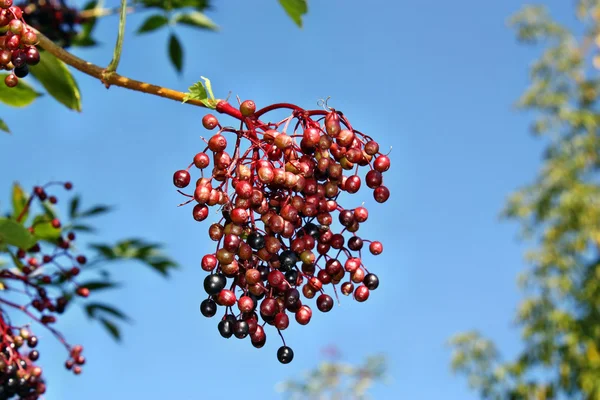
<point>434,80</point>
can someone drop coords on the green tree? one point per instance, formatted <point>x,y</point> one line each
<point>560,213</point>
<point>336,380</point>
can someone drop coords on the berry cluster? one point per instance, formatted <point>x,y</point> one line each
<point>278,192</point>
<point>19,376</point>
<point>53,18</point>
<point>46,265</point>
<point>17,43</point>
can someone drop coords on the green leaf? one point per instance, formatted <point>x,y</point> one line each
<point>73,206</point>
<point>196,19</point>
<point>295,9</point>
<point>84,37</point>
<point>203,93</point>
<point>43,229</point>
<point>21,95</point>
<point>99,285</point>
<point>175,4</point>
<point>19,201</point>
<point>112,329</point>
<point>56,78</point>
<point>3,126</point>
<point>82,228</point>
<point>139,250</point>
<point>175,52</point>
<point>153,23</point>
<point>15,234</point>
<point>91,310</point>
<point>100,209</point>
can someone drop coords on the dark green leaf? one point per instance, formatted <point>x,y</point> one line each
<point>82,228</point>
<point>3,126</point>
<point>92,308</point>
<point>295,9</point>
<point>153,23</point>
<point>73,207</point>
<point>197,20</point>
<point>19,201</point>
<point>175,52</point>
<point>84,37</point>
<point>54,75</point>
<point>105,250</point>
<point>21,95</point>
<point>15,234</point>
<point>175,4</point>
<point>112,329</point>
<point>100,209</point>
<point>99,285</point>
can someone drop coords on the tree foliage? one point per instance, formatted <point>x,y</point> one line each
<point>560,213</point>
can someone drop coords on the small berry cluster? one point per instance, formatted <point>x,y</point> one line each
<point>19,376</point>
<point>276,236</point>
<point>17,43</point>
<point>53,18</point>
<point>43,266</point>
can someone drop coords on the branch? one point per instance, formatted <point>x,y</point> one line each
<point>111,79</point>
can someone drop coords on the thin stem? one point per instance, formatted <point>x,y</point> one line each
<point>112,67</point>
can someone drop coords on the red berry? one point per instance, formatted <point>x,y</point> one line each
<point>226,298</point>
<point>382,163</point>
<point>217,143</point>
<point>83,291</point>
<point>246,304</point>
<point>361,293</point>
<point>209,262</point>
<point>303,315</point>
<point>282,321</point>
<point>11,80</point>
<point>376,248</point>
<point>181,178</point>
<point>210,122</point>
<point>200,212</point>
<point>247,108</point>
<point>381,194</point>
<point>201,160</point>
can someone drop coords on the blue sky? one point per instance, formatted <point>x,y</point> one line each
<point>434,80</point>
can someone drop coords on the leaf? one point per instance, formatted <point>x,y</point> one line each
<point>84,37</point>
<point>3,126</point>
<point>295,9</point>
<point>139,250</point>
<point>73,206</point>
<point>196,19</point>
<point>153,23</point>
<point>112,329</point>
<point>56,78</point>
<point>82,228</point>
<point>203,93</point>
<point>175,52</point>
<point>99,285</point>
<point>99,209</point>
<point>15,234</point>
<point>21,95</point>
<point>175,4</point>
<point>19,201</point>
<point>92,308</point>
<point>43,229</point>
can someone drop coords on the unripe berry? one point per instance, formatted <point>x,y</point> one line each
<point>361,293</point>
<point>181,178</point>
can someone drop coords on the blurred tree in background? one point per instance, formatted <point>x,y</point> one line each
<point>336,380</point>
<point>560,212</point>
